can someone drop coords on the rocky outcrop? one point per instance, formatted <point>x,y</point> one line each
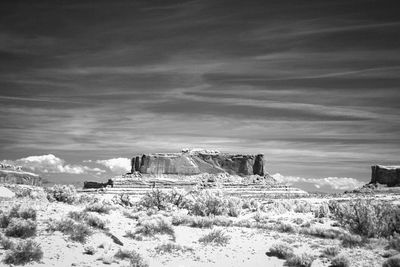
<point>191,162</point>
<point>387,175</point>
<point>88,184</point>
<point>15,175</point>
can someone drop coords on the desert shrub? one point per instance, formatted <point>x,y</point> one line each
<point>171,248</point>
<point>280,250</point>
<point>4,220</point>
<point>77,231</point>
<point>278,206</point>
<point>135,259</point>
<point>302,206</point>
<point>340,261</point>
<point>77,215</point>
<point>286,228</point>
<point>153,225</point>
<point>201,222</point>
<point>215,237</point>
<point>17,211</point>
<point>133,235</point>
<point>322,232</point>
<point>234,206</point>
<point>23,252</point>
<point>252,205</point>
<point>21,228</point>
<point>298,221</point>
<point>367,217</point>
<point>222,221</point>
<point>5,242</point>
<point>94,221</point>
<point>62,193</point>
<point>89,250</point>
<point>392,262</point>
<point>27,213</point>
<point>302,260</point>
<point>123,254</point>
<point>84,198</point>
<point>331,252</point>
<point>99,207</point>
<point>179,219</point>
<point>322,211</point>
<point>208,203</point>
<point>90,219</point>
<point>349,240</point>
<point>162,200</point>
<point>394,241</point>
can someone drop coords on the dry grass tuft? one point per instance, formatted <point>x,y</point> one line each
<point>280,250</point>
<point>302,260</point>
<point>215,237</point>
<point>340,261</point>
<point>171,248</point>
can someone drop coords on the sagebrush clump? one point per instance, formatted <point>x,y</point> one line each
<point>171,248</point>
<point>23,252</point>
<point>340,261</point>
<point>280,250</point>
<point>368,218</point>
<point>135,259</point>
<point>163,200</point>
<point>62,193</point>
<point>21,228</point>
<point>153,225</point>
<point>216,237</point>
<point>77,231</point>
<point>302,260</point>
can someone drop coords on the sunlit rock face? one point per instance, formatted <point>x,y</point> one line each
<point>190,162</point>
<point>388,175</point>
<point>15,175</point>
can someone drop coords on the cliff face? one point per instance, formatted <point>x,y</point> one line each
<point>15,175</point>
<point>190,162</point>
<point>388,175</point>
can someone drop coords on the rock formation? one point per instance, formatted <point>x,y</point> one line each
<point>15,175</point>
<point>236,174</point>
<point>191,162</point>
<point>387,175</point>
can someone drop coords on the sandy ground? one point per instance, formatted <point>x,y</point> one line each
<point>246,247</point>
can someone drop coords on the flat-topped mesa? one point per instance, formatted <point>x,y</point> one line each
<point>388,175</point>
<point>196,161</point>
<point>11,174</point>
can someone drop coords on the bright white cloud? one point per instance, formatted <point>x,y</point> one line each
<point>116,165</point>
<point>337,183</point>
<point>52,164</point>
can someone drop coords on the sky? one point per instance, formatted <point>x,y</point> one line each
<point>313,85</point>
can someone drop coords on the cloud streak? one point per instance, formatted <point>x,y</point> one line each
<point>336,183</point>
<point>52,164</point>
<point>313,85</point>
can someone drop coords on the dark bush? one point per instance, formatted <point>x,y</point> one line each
<point>21,228</point>
<point>369,218</point>
<point>23,252</point>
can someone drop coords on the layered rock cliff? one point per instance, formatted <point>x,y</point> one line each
<point>387,175</point>
<point>15,175</point>
<point>191,162</point>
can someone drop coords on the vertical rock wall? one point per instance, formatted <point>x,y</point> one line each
<point>388,175</point>
<point>189,163</point>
